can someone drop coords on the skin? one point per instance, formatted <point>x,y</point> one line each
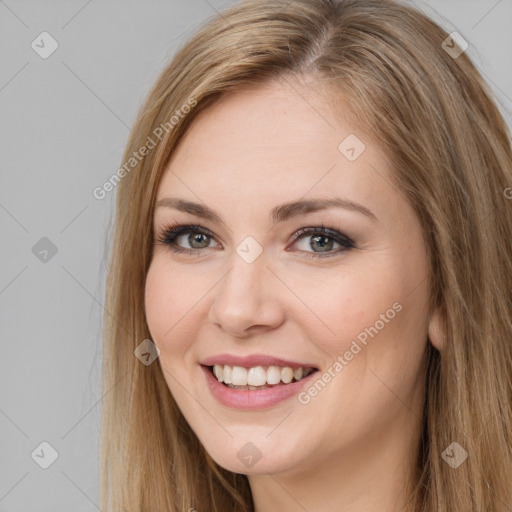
<point>351,447</point>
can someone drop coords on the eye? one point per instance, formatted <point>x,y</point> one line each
<point>197,236</point>
<point>322,240</point>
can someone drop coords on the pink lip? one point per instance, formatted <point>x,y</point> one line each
<point>252,399</point>
<point>252,361</point>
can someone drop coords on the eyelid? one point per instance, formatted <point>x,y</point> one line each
<point>327,231</point>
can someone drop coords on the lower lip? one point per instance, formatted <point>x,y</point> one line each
<point>252,399</point>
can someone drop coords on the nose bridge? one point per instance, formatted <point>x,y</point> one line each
<point>244,284</point>
<point>245,297</point>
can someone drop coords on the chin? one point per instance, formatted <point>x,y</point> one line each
<point>250,458</point>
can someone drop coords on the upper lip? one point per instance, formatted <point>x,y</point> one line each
<point>253,360</point>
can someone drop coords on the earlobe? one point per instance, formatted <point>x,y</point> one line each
<point>436,330</point>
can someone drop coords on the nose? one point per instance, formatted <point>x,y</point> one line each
<point>247,299</point>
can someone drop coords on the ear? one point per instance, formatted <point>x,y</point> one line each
<point>437,330</point>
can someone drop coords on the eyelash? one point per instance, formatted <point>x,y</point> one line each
<point>169,234</point>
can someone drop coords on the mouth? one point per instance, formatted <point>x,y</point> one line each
<point>258,377</point>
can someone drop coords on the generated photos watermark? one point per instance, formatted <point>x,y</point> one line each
<point>344,359</point>
<point>137,156</point>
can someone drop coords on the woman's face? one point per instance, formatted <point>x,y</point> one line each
<point>350,301</point>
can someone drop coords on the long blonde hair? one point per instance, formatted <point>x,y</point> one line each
<point>451,155</point>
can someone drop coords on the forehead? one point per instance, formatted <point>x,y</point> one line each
<point>275,142</point>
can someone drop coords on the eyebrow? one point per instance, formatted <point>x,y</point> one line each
<point>278,214</point>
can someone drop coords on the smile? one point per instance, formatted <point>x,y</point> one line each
<point>249,397</point>
<point>258,377</point>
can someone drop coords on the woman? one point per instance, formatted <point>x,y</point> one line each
<point>309,302</point>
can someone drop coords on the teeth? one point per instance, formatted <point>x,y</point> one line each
<point>287,374</point>
<point>239,377</point>
<point>227,373</point>
<point>218,371</point>
<point>257,377</point>
<point>247,387</point>
<point>274,375</point>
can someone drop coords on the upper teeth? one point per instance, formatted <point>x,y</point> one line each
<point>258,376</point>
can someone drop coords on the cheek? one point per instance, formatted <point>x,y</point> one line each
<point>170,298</point>
<point>345,303</point>
<point>372,319</point>
<point>172,322</point>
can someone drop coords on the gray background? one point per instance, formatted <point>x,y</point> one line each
<point>64,121</point>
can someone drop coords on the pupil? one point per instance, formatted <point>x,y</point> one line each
<point>321,240</point>
<point>197,238</point>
